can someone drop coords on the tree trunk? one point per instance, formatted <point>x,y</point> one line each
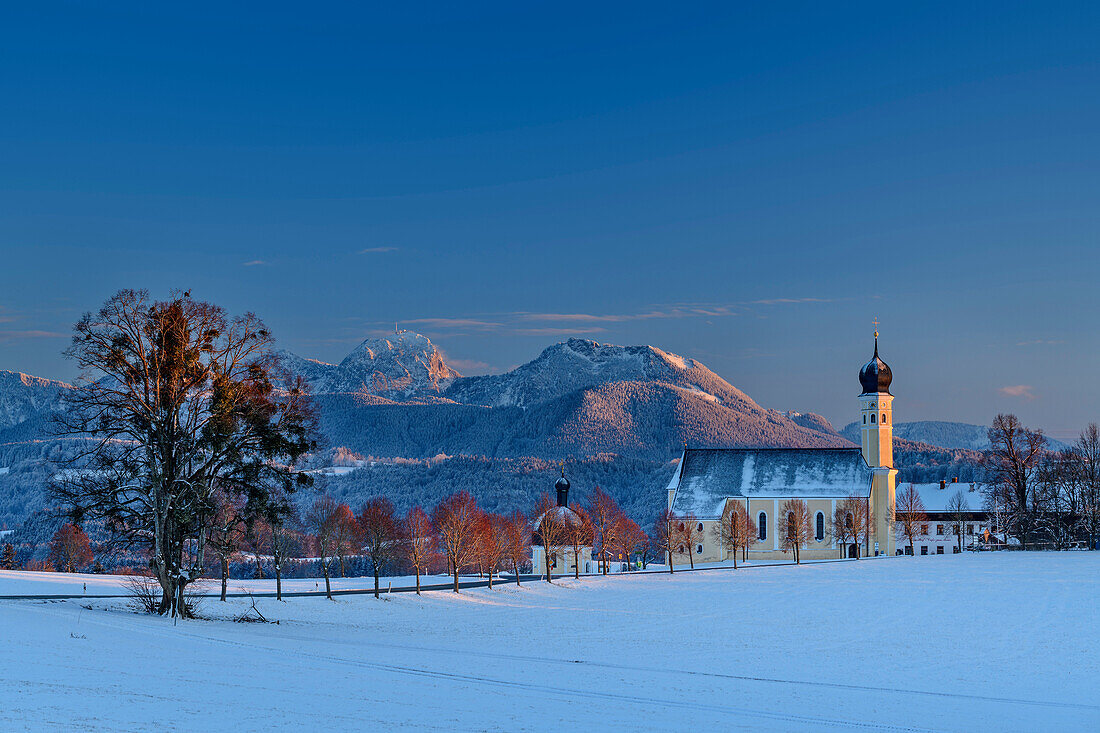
<point>576,565</point>
<point>691,557</point>
<point>375,579</point>
<point>515,567</point>
<point>328,586</point>
<point>454,569</point>
<point>490,578</point>
<point>278,571</point>
<point>417,580</point>
<point>225,575</point>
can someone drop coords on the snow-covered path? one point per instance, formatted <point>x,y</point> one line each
<point>997,642</point>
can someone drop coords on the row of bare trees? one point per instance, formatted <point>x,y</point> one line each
<point>1042,496</point>
<point>736,532</point>
<point>460,536</point>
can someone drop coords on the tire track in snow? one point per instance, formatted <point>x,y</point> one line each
<point>473,679</point>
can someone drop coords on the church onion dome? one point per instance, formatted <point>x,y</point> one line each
<point>875,376</point>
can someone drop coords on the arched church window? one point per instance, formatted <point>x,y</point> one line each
<point>848,521</point>
<point>762,526</point>
<point>819,533</point>
<point>699,550</point>
<point>864,419</point>
<point>884,418</point>
<point>700,526</point>
<point>680,549</point>
<point>872,418</point>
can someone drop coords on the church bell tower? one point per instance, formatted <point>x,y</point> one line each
<point>877,442</point>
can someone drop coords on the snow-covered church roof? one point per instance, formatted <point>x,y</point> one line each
<point>706,477</point>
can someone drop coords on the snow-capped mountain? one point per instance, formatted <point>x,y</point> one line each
<point>578,363</point>
<point>402,366</point>
<point>23,397</point>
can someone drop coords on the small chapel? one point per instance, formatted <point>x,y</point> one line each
<point>709,481</point>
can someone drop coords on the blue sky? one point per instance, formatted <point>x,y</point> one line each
<point>749,185</point>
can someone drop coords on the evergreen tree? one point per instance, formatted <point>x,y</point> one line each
<point>7,560</point>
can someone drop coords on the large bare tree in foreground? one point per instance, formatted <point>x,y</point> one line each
<point>176,399</point>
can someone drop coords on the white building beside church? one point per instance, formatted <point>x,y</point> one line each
<point>938,531</point>
<point>709,481</point>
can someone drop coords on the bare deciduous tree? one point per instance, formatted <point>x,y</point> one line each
<point>454,520</point>
<point>322,520</point>
<point>664,534</point>
<point>910,514</point>
<point>379,535</point>
<point>629,537</point>
<point>736,531</point>
<point>688,532</point>
<point>1011,462</point>
<point>176,398</point>
<point>1088,450</point>
<point>347,540</point>
<point>492,542</point>
<point>957,509</point>
<point>603,512</point>
<point>419,536</point>
<point>795,516</point>
<point>551,529</point>
<point>227,530</point>
<point>579,536</point>
<point>70,549</point>
<point>850,525</point>
<point>518,530</point>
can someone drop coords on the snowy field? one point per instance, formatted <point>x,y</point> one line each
<point>991,641</point>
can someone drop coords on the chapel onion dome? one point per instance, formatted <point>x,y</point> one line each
<point>562,490</point>
<point>875,376</point>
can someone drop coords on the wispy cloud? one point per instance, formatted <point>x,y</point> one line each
<point>1023,391</point>
<point>254,263</point>
<point>23,335</point>
<point>376,250</point>
<point>676,310</point>
<point>550,331</point>
<point>593,317</point>
<point>1040,342</point>
<point>791,301</point>
<point>470,367</point>
<point>452,323</point>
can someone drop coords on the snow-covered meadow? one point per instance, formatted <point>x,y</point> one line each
<point>1005,641</point>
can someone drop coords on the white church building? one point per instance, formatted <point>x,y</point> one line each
<point>709,481</point>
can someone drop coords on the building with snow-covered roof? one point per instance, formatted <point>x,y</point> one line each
<point>710,482</point>
<point>939,530</point>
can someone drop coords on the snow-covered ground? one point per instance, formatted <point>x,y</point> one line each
<point>991,641</point>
